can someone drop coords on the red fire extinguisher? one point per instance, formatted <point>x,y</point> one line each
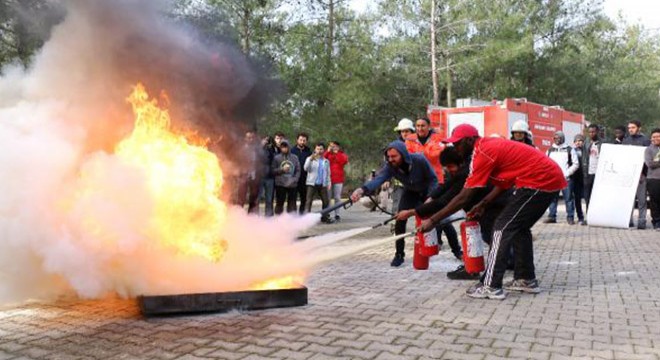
<point>473,247</point>
<point>426,245</point>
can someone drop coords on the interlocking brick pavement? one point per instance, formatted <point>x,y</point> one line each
<point>600,300</point>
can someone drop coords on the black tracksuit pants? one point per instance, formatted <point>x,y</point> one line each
<point>513,227</point>
<point>410,200</point>
<point>653,188</point>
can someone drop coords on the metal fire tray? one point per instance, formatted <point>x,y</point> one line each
<point>221,302</point>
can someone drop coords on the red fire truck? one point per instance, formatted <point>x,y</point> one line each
<point>497,117</point>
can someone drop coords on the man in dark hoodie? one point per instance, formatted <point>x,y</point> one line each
<point>417,177</point>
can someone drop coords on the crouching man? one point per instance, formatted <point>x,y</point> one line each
<point>418,178</point>
<point>537,180</point>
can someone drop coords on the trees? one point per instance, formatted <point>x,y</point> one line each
<point>351,76</point>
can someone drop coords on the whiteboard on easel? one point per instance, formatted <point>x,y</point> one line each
<point>615,185</point>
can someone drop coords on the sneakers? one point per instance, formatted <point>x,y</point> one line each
<point>526,286</point>
<point>480,291</point>
<point>570,222</point>
<point>397,261</point>
<point>459,255</point>
<point>461,274</point>
<point>550,221</point>
<point>327,220</point>
<point>641,226</point>
<point>337,218</point>
<point>582,222</point>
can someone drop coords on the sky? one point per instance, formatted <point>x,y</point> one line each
<point>634,11</point>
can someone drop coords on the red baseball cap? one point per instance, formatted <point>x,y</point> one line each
<point>461,132</point>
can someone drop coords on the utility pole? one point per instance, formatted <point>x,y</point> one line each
<point>434,71</point>
<point>331,37</point>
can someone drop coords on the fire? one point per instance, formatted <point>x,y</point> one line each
<point>286,282</point>
<point>184,179</point>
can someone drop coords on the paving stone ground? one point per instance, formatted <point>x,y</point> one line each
<point>600,300</point>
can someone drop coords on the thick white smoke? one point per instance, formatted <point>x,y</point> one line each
<point>61,118</point>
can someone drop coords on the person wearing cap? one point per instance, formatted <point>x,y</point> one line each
<point>504,164</point>
<point>578,178</point>
<point>286,169</point>
<point>520,132</point>
<point>417,177</point>
<point>566,157</point>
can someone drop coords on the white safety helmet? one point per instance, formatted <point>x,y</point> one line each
<point>521,126</point>
<point>405,124</point>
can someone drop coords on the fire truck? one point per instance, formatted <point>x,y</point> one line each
<point>495,118</point>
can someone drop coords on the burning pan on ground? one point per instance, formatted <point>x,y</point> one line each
<point>222,301</point>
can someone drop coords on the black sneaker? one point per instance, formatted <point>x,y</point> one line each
<point>480,291</point>
<point>397,261</point>
<point>550,221</point>
<point>461,274</point>
<point>527,286</point>
<point>459,255</point>
<point>641,226</point>
<point>337,218</point>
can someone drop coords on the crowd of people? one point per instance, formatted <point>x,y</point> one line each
<point>505,184</point>
<point>281,173</point>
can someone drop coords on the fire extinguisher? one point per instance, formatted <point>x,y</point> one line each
<point>426,245</point>
<point>473,247</point>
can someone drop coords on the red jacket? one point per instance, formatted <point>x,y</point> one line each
<point>431,151</point>
<point>337,162</point>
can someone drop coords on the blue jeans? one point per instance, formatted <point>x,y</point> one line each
<point>267,189</point>
<point>567,193</point>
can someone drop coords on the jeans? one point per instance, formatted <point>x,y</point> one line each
<point>513,227</point>
<point>267,191</point>
<point>283,194</point>
<point>567,193</point>
<point>336,195</point>
<point>578,194</point>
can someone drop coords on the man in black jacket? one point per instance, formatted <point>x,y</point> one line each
<point>302,152</point>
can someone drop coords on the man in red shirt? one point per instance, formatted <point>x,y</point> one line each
<point>338,160</point>
<point>505,164</point>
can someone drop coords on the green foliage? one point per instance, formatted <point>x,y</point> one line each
<point>350,77</point>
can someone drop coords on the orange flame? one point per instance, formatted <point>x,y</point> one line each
<point>286,282</point>
<point>184,180</point>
